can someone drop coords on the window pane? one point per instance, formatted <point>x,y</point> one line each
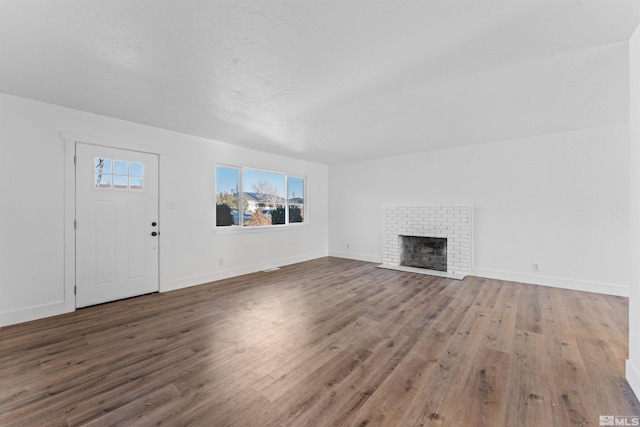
<point>227,196</point>
<point>277,215</point>
<point>103,180</point>
<point>118,174</point>
<point>103,165</point>
<point>135,183</point>
<point>135,169</point>
<point>120,167</point>
<point>295,199</point>
<point>120,182</point>
<point>264,194</point>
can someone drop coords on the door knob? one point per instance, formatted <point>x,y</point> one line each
<point>153,233</point>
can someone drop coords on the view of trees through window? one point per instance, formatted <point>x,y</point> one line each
<point>268,198</point>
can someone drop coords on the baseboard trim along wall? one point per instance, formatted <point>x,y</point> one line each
<point>554,282</point>
<point>32,313</point>
<point>356,256</point>
<point>57,308</point>
<point>53,309</point>
<point>633,377</point>
<point>185,282</point>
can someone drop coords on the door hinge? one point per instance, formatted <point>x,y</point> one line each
<point>74,160</point>
<point>75,290</point>
<point>75,224</point>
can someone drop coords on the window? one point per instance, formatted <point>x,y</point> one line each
<point>135,176</point>
<point>118,174</point>
<point>268,198</point>
<point>264,193</point>
<point>295,199</point>
<point>227,196</point>
<point>104,174</point>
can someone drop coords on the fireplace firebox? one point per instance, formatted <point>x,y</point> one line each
<point>423,252</point>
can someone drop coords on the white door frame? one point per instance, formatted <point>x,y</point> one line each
<point>70,140</point>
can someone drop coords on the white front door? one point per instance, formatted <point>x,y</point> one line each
<point>117,224</point>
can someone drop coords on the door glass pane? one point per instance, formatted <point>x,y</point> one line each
<point>135,183</point>
<point>120,182</point>
<point>120,167</point>
<point>135,169</point>
<point>103,165</point>
<point>103,181</point>
<point>118,174</point>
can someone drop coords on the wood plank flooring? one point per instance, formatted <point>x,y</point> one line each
<point>330,342</point>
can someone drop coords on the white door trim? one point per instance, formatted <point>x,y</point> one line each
<point>111,143</point>
<point>70,140</point>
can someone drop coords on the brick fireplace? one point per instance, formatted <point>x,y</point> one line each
<point>449,226</point>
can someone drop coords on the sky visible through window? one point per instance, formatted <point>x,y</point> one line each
<point>251,179</point>
<point>228,181</point>
<point>296,187</point>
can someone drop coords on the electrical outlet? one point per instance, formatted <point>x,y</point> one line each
<point>535,267</point>
<point>221,261</point>
<point>347,246</point>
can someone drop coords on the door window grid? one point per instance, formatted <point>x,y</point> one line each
<point>118,174</point>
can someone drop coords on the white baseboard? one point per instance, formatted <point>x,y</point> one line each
<point>356,256</point>
<point>633,377</point>
<point>32,313</point>
<point>554,282</point>
<point>53,309</point>
<point>185,282</point>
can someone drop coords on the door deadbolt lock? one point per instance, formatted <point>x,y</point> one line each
<point>153,233</point>
<point>153,224</point>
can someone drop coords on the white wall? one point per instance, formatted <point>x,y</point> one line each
<point>560,201</point>
<point>633,364</point>
<point>32,212</point>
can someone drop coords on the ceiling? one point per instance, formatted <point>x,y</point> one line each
<point>327,80</point>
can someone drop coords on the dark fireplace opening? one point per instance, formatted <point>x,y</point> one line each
<point>424,252</point>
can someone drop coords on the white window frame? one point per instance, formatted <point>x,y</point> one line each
<point>241,227</point>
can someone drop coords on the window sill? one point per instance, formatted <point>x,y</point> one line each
<point>234,229</point>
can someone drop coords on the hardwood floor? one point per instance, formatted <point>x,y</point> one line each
<point>330,342</point>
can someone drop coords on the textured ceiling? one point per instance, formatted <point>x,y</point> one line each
<point>329,81</point>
